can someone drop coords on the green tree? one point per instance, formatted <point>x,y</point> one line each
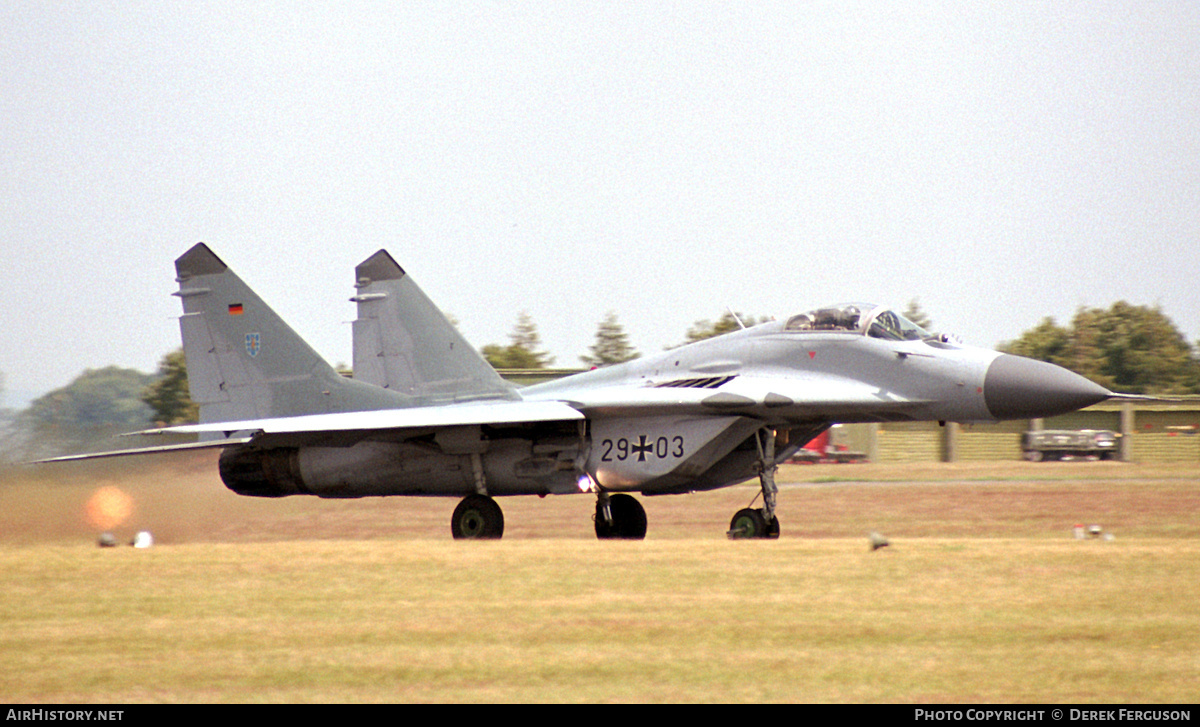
<point>701,330</point>
<point>168,394</point>
<point>1135,349</point>
<point>97,404</point>
<point>524,350</point>
<point>111,395</point>
<point>1129,348</point>
<point>1047,341</point>
<point>612,344</point>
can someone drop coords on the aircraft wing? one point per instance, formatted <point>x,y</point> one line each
<point>346,427</point>
<point>424,417</point>
<point>146,450</point>
<point>823,399</point>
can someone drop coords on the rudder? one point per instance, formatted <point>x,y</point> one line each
<point>404,343</point>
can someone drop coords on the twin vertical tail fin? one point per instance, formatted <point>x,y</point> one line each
<point>402,342</point>
<point>244,362</point>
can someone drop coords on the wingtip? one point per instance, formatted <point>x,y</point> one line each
<point>380,266</point>
<point>199,260</point>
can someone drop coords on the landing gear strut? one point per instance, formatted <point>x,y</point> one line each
<point>620,517</point>
<point>477,517</point>
<point>760,522</point>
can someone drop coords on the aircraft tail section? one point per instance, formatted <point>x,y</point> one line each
<point>402,342</point>
<point>244,362</point>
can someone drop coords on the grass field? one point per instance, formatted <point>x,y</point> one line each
<point>982,596</point>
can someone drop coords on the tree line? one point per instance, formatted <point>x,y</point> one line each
<point>1127,348</point>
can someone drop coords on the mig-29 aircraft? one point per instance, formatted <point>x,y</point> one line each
<point>425,414</point>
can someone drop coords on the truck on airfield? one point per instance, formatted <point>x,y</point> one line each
<point>1050,445</point>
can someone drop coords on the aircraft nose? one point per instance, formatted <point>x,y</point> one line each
<point>1016,387</point>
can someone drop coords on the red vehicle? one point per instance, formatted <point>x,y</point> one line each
<point>821,450</point>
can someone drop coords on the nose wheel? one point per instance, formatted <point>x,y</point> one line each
<point>753,523</point>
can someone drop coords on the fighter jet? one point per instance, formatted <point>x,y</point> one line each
<point>425,414</point>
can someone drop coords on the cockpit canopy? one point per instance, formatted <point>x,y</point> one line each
<point>865,318</point>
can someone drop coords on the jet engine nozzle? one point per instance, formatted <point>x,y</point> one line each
<point>261,473</point>
<point>1023,388</point>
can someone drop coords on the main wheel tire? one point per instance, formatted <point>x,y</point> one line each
<point>748,523</point>
<point>629,519</point>
<point>477,517</point>
<point>772,529</point>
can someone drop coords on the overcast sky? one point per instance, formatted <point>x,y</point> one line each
<point>1000,162</point>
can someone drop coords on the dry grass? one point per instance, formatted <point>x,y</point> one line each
<point>982,596</point>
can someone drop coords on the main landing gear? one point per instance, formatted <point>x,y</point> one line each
<point>477,517</point>
<point>619,517</point>
<point>760,522</point>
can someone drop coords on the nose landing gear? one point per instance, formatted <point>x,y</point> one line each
<point>760,522</point>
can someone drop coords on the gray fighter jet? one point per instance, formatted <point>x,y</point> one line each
<point>426,414</point>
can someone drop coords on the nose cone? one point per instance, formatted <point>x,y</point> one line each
<point>1022,388</point>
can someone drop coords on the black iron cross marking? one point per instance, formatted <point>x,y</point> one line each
<point>641,448</point>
